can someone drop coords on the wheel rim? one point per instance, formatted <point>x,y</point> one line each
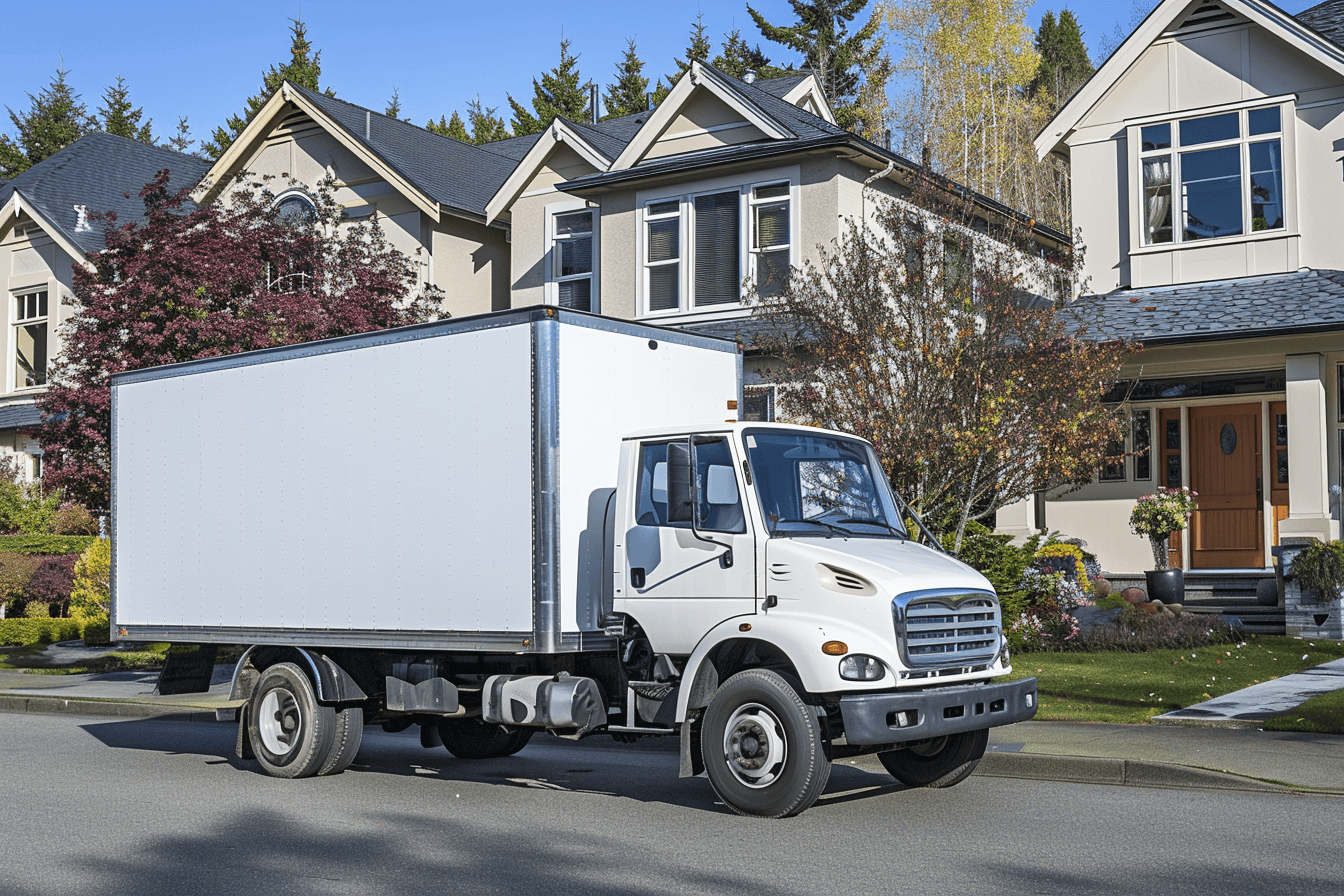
<point>754,745</point>
<point>279,721</point>
<point>929,748</point>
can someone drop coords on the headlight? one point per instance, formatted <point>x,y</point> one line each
<point>857,667</point>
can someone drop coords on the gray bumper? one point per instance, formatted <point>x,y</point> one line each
<point>896,717</point>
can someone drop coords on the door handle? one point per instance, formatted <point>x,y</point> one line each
<point>636,577</point>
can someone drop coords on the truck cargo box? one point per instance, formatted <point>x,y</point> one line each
<point>442,486</point>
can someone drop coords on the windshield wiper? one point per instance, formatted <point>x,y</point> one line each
<point>899,533</point>
<point>845,532</point>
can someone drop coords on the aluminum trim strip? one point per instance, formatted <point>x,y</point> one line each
<point>484,642</point>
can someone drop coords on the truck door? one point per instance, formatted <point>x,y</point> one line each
<point>684,576</point>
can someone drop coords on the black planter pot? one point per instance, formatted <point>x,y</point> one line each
<point>1166,585</point>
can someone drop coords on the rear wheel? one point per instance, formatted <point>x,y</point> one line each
<point>941,762</point>
<point>291,732</point>
<point>474,739</point>
<point>762,746</point>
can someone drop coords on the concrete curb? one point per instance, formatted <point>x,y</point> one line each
<point>26,703</point>
<point>1123,772</point>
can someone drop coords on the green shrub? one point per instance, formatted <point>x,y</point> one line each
<point>15,572</point>
<point>1320,569</point>
<point>991,555</point>
<point>36,609</point>
<point>45,544</point>
<point>97,632</point>
<point>24,632</point>
<point>92,593</point>
<point>73,518</point>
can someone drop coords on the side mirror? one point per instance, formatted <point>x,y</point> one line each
<point>680,494</point>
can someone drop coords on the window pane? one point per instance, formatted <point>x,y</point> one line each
<point>1264,121</point>
<point>1157,200</point>
<point>1207,130</point>
<point>717,269</point>
<point>30,355</point>
<point>772,272</point>
<point>664,288</point>
<point>1143,454</point>
<point>1113,466</point>
<point>579,222</point>
<point>295,211</point>
<point>1156,136</point>
<point>576,294</point>
<point>770,191</point>
<point>664,240</point>
<point>574,256</point>
<point>669,207</point>
<point>1266,185</point>
<point>1211,192</point>
<point>772,225</point>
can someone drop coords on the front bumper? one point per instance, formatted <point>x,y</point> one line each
<point>895,717</point>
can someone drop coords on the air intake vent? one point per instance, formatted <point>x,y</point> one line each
<point>834,578</point>
<point>781,571</point>
<point>947,629</point>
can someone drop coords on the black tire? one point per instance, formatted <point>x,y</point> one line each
<point>762,746</point>
<point>291,732</point>
<point>942,762</point>
<point>345,741</point>
<point>474,739</point>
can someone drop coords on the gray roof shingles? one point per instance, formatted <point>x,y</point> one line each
<point>104,173</point>
<point>19,415</point>
<point>1326,19</point>
<point>460,176</point>
<point>1218,310</point>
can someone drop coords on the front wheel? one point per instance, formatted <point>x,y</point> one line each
<point>762,746</point>
<point>941,762</point>
<point>291,732</point>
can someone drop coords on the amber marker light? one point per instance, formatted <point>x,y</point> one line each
<point>744,627</point>
<point>835,648</point>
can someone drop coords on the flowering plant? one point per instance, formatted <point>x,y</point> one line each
<point>1160,514</point>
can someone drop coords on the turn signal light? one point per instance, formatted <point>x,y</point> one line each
<point>835,648</point>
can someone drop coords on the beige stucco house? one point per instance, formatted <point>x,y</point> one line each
<point>45,234</point>
<point>1206,169</point>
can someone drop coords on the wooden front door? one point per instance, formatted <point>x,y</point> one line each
<point>1228,530</point>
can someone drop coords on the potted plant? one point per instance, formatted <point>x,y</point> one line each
<point>1319,570</point>
<point>1157,516</point>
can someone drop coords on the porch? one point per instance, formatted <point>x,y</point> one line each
<point>1226,592</point>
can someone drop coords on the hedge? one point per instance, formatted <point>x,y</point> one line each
<point>46,544</point>
<point>25,631</point>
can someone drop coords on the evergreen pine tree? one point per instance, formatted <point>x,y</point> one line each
<point>1064,62</point>
<point>304,69</point>
<point>697,51</point>
<point>120,118</point>
<point>449,127</point>
<point>393,109</point>
<point>55,119</point>
<point>181,139</point>
<point>628,94</point>
<point>852,68</point>
<point>486,127</point>
<point>736,58</point>
<point>558,93</point>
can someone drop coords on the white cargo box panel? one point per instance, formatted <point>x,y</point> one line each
<point>438,486</point>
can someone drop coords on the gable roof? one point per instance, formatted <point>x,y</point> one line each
<point>101,172</point>
<point>1295,31</point>
<point>437,172</point>
<point>1326,19</point>
<point>1220,310</point>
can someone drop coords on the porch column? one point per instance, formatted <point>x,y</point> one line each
<point>1308,453</point>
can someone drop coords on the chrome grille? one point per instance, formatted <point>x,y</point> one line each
<point>947,628</point>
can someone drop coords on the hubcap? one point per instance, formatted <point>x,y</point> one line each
<point>754,745</point>
<point>278,721</point>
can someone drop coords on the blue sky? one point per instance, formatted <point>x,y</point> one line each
<point>203,60</point>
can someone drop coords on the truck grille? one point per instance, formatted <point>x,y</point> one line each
<point>947,628</point>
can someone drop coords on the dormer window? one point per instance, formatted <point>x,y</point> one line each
<point>295,210</point>
<point>1212,176</point>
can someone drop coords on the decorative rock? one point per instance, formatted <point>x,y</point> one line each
<point>1101,587</point>
<point>1176,609</point>
<point>1146,607</point>
<point>1134,595</point>
<point>1090,618</point>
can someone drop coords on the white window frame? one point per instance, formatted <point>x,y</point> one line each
<point>551,260</point>
<point>685,196</point>
<point>20,321</point>
<point>754,205</point>
<point>1138,156</point>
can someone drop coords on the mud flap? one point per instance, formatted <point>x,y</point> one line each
<point>244,745</point>
<point>692,762</point>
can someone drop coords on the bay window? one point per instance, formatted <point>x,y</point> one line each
<point>698,247</point>
<point>1211,176</point>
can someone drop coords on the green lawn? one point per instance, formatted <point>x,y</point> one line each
<point>1323,714</point>
<point>30,659</point>
<point>1133,687</point>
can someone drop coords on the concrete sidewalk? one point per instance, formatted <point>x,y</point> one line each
<point>1134,755</point>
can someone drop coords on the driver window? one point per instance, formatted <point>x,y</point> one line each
<point>652,507</point>
<point>720,505</point>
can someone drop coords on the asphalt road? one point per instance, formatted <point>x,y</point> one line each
<point>136,808</point>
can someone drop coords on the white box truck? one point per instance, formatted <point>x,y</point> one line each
<point>544,520</point>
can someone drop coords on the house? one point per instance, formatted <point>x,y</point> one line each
<point>45,233</point>
<point>1207,159</point>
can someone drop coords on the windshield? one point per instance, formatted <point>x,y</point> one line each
<point>820,485</point>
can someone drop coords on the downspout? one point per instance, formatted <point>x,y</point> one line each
<point>863,191</point>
